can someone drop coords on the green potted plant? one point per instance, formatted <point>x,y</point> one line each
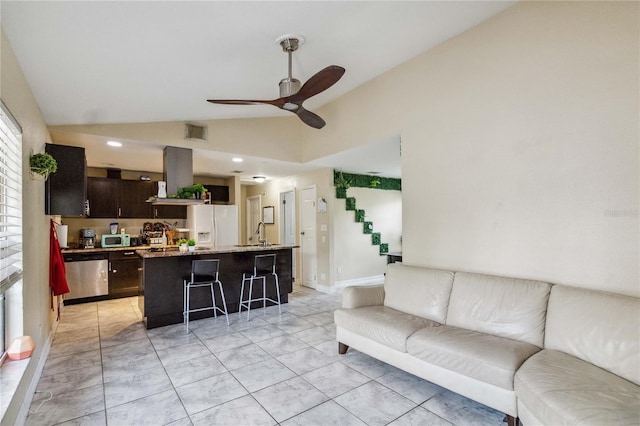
<point>196,190</point>
<point>182,245</point>
<point>191,244</point>
<point>42,165</point>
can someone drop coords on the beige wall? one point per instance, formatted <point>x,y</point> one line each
<point>38,319</point>
<point>520,145</point>
<point>270,191</point>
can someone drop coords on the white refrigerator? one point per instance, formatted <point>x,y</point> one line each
<point>213,225</point>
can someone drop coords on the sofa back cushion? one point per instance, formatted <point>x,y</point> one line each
<point>600,328</point>
<point>505,307</point>
<point>419,291</point>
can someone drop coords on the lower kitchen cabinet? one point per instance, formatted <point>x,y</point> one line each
<point>123,273</point>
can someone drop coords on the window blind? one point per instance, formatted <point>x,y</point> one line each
<point>10,200</point>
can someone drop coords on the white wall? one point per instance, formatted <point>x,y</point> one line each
<point>528,165</point>
<point>520,145</point>
<point>353,252</point>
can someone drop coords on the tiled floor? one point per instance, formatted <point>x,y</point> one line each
<point>105,368</point>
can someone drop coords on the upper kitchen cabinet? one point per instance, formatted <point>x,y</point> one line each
<point>102,198</point>
<point>65,191</point>
<point>169,212</point>
<point>219,193</point>
<point>133,199</point>
<point>115,198</point>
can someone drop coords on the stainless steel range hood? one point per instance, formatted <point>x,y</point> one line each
<point>177,171</point>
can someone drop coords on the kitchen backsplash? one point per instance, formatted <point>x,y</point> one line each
<point>101,226</point>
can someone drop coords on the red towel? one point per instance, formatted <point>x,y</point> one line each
<point>57,271</point>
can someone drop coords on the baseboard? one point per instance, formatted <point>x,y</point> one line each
<point>339,285</point>
<point>21,418</point>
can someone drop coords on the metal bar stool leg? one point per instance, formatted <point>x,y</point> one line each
<point>278,292</point>
<point>249,300</point>
<point>224,302</point>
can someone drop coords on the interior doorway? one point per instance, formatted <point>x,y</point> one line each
<point>254,217</point>
<point>308,239</point>
<point>288,223</point>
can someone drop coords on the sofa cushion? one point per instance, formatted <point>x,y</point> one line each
<point>478,355</point>
<point>384,325</point>
<point>505,307</point>
<point>600,328</point>
<point>562,389</point>
<point>419,291</point>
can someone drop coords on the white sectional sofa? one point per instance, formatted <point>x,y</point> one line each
<point>548,354</point>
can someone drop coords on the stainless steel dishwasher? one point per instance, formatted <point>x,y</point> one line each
<point>87,275</point>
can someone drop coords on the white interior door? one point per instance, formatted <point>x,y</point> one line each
<point>288,223</point>
<point>253,218</point>
<point>308,241</point>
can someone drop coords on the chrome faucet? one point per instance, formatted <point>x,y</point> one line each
<point>264,231</point>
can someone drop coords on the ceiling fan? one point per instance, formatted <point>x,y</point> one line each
<point>291,94</point>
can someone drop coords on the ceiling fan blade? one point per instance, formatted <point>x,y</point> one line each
<point>319,82</point>
<point>243,102</point>
<point>309,118</point>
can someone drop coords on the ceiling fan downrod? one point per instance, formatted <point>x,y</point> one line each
<point>289,86</point>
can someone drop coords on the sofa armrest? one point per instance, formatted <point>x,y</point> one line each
<point>357,296</point>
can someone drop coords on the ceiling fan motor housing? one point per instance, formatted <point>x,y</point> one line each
<point>289,86</point>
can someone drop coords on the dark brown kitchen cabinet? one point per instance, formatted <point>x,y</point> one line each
<point>219,193</point>
<point>102,197</point>
<point>65,191</point>
<point>169,212</point>
<point>133,197</point>
<point>114,198</point>
<point>124,269</point>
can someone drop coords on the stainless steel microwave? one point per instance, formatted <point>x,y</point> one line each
<point>116,240</point>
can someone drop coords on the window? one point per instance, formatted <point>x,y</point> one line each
<point>10,214</point>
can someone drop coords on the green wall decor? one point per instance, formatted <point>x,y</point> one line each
<point>350,203</point>
<point>341,192</point>
<point>375,238</point>
<point>359,215</point>
<point>347,180</point>
<point>367,228</point>
<point>384,248</point>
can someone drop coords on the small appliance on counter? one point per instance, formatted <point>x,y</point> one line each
<point>87,238</point>
<point>113,228</point>
<point>117,240</point>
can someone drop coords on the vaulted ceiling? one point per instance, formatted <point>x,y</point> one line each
<point>131,61</point>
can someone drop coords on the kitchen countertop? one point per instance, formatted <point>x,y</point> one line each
<point>172,251</point>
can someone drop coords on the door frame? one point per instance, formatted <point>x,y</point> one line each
<point>314,281</point>
<point>283,211</point>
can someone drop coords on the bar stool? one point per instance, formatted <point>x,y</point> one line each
<point>263,265</point>
<point>204,273</point>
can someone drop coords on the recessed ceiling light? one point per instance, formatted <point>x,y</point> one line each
<point>259,179</point>
<point>237,160</point>
<point>114,143</point>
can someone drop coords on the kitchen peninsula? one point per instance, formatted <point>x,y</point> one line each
<point>161,288</point>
